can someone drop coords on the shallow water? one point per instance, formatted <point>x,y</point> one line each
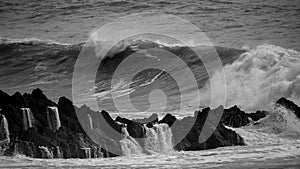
<point>263,156</point>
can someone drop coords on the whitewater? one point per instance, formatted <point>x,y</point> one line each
<point>271,142</point>
<point>258,44</point>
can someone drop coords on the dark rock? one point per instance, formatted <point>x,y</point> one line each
<point>71,139</point>
<point>39,141</point>
<point>169,119</point>
<point>257,115</point>
<point>289,105</point>
<point>148,121</point>
<point>46,152</point>
<point>66,150</point>
<point>57,153</point>
<point>234,117</point>
<point>221,136</point>
<point>84,153</point>
<point>23,148</point>
<point>135,129</point>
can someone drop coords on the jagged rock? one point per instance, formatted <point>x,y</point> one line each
<point>169,119</point>
<point>221,136</point>
<point>289,105</point>
<point>46,152</point>
<point>84,153</point>
<point>57,153</point>
<point>148,121</point>
<point>135,129</point>
<point>71,141</point>
<point>234,117</point>
<point>22,148</point>
<point>257,115</point>
<point>66,150</point>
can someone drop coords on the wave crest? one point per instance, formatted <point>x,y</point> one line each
<point>260,77</point>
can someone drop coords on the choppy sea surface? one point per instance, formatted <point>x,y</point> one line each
<point>257,42</point>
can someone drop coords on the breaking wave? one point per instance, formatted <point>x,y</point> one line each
<point>259,77</point>
<point>158,140</point>
<point>280,126</point>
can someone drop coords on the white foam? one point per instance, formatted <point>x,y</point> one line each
<point>27,118</point>
<point>158,140</point>
<point>53,118</point>
<point>258,78</point>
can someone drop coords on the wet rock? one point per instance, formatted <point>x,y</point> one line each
<point>257,115</point>
<point>289,105</point>
<point>197,139</point>
<point>234,117</point>
<point>169,119</point>
<point>148,121</point>
<point>84,153</point>
<point>57,153</point>
<point>46,152</point>
<point>135,129</point>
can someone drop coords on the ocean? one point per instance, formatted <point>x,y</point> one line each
<point>256,41</point>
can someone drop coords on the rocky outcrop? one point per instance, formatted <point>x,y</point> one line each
<point>257,115</point>
<point>169,119</point>
<point>46,129</point>
<point>148,121</point>
<point>135,129</point>
<point>234,117</point>
<point>220,136</point>
<point>35,134</point>
<point>289,105</point>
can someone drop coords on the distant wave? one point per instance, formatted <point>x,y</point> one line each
<point>255,78</point>
<point>28,41</point>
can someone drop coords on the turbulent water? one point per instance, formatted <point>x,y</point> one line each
<point>257,42</point>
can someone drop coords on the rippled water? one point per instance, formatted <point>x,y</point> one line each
<point>232,23</point>
<point>32,63</point>
<point>263,156</point>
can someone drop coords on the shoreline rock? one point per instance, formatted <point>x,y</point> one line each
<point>61,135</point>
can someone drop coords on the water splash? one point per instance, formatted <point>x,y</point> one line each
<point>53,118</point>
<point>27,118</point>
<point>129,145</point>
<point>158,140</point>
<point>90,122</point>
<point>4,132</point>
<point>279,127</point>
<point>46,153</point>
<point>258,78</point>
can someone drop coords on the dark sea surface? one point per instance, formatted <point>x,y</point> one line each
<point>257,42</point>
<point>231,23</point>
<point>41,40</point>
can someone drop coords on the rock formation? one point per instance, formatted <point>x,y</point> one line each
<point>289,105</point>
<point>257,115</point>
<point>38,127</point>
<point>234,117</point>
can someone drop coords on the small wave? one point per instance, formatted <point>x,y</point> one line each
<point>31,41</point>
